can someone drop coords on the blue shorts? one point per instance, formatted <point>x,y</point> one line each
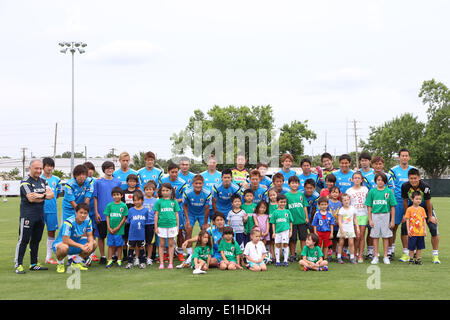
<point>416,243</point>
<point>114,240</point>
<point>181,219</point>
<point>399,211</point>
<point>200,219</point>
<point>217,256</point>
<point>51,220</point>
<point>72,250</point>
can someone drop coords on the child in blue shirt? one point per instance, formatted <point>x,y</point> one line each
<point>137,217</point>
<point>323,224</point>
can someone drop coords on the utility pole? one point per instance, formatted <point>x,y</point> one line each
<point>356,143</point>
<point>346,133</point>
<point>325,140</point>
<point>54,146</point>
<point>85,153</point>
<point>23,162</point>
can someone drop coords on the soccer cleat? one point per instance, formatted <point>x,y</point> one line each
<point>285,264</point>
<point>149,261</point>
<point>340,261</point>
<point>88,262</point>
<point>386,260</point>
<point>374,260</point>
<point>404,258</point>
<point>51,261</point>
<point>119,263</point>
<point>182,265</point>
<point>436,260</point>
<point>102,260</point>
<point>20,269</point>
<point>129,265</point>
<point>142,266</point>
<point>411,261</point>
<point>419,262</point>
<point>37,267</point>
<point>110,263</point>
<point>79,266</point>
<point>60,268</point>
<point>114,258</point>
<point>325,268</point>
<point>277,264</point>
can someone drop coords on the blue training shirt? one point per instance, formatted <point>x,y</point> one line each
<point>54,182</point>
<point>223,196</point>
<point>259,194</point>
<point>77,193</point>
<point>211,179</point>
<point>72,229</point>
<point>102,191</point>
<point>196,202</point>
<point>323,222</point>
<point>344,181</point>
<point>189,178</point>
<point>149,203</point>
<point>122,176</point>
<point>145,176</point>
<point>399,177</point>
<point>303,178</point>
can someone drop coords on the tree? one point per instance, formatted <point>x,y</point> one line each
<point>387,139</point>
<point>432,148</point>
<point>13,174</point>
<point>138,162</point>
<point>292,136</point>
<point>68,154</point>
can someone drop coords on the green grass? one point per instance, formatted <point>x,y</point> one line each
<point>398,280</point>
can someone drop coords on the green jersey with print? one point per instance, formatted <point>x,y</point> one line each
<point>249,209</point>
<point>312,254</point>
<point>381,201</point>
<point>166,209</point>
<point>115,212</point>
<point>281,219</point>
<point>201,253</point>
<point>296,204</point>
<point>230,250</point>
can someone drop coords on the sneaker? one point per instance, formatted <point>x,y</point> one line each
<point>102,260</point>
<point>161,266</point>
<point>142,266</point>
<point>182,265</point>
<point>79,266</point>
<point>386,260</point>
<point>69,262</point>
<point>277,264</point>
<point>404,258</point>
<point>110,263</point>
<point>419,262</point>
<point>88,261</point>
<point>391,257</point>
<point>291,258</point>
<point>37,267</point>
<point>340,261</point>
<point>198,271</point>
<point>129,265</point>
<point>51,261</point>
<point>20,269</point>
<point>60,268</point>
<point>94,257</point>
<point>435,260</point>
<point>149,261</point>
<point>180,257</point>
<point>411,261</point>
<point>374,260</point>
<point>369,256</point>
<point>353,261</point>
<point>170,266</point>
<point>285,264</point>
<point>119,263</point>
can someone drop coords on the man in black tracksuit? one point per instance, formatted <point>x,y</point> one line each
<point>33,192</point>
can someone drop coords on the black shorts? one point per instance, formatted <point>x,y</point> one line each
<point>126,231</point>
<point>149,233</point>
<point>136,243</point>
<point>271,231</point>
<point>102,229</point>
<point>299,231</point>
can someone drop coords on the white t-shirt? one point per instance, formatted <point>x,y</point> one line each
<point>347,218</point>
<point>357,199</point>
<point>255,252</point>
<point>236,221</point>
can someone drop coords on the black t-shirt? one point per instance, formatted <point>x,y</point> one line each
<point>423,188</point>
<point>127,197</point>
<point>27,208</point>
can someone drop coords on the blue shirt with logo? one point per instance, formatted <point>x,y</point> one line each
<point>344,181</point>
<point>145,176</point>
<point>260,194</point>
<point>303,178</point>
<point>399,177</point>
<point>148,204</point>
<point>189,178</point>
<point>223,196</point>
<point>72,229</point>
<point>77,193</point>
<point>196,202</point>
<point>137,220</point>
<point>54,182</point>
<point>122,176</point>
<point>323,222</point>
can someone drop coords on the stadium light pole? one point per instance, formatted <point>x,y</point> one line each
<point>73,47</point>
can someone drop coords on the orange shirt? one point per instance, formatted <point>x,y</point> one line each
<point>416,217</point>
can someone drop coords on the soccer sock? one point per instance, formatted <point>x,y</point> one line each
<point>405,251</point>
<point>338,255</point>
<point>285,253</point>
<point>277,254</point>
<point>50,241</point>
<point>370,249</point>
<point>189,251</point>
<point>435,252</point>
<point>352,256</point>
<point>60,261</point>
<point>393,248</point>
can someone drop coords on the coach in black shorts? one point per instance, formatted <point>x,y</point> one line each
<point>33,192</point>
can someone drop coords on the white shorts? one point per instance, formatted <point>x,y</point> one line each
<point>282,237</point>
<point>167,232</point>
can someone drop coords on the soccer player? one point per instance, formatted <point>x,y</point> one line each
<point>305,164</point>
<point>196,202</point>
<point>33,192</point>
<point>264,180</point>
<point>364,160</point>
<point>378,167</point>
<point>91,171</point>
<point>50,206</point>
<point>102,196</point>
<point>124,171</point>
<point>344,174</point>
<point>259,191</point>
<point>327,163</point>
<point>71,238</point>
<point>279,184</point>
<point>222,193</point>
<point>184,172</point>
<point>399,175</point>
<point>77,190</point>
<point>416,184</point>
<point>149,172</point>
<point>240,174</point>
<point>211,177</point>
<point>286,161</point>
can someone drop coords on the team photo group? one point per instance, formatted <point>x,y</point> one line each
<point>239,218</point>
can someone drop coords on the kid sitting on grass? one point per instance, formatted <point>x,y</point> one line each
<point>255,251</point>
<point>202,253</point>
<point>312,255</point>
<point>230,251</point>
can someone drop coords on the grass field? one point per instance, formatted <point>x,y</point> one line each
<point>398,280</point>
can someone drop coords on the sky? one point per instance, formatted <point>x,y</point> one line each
<point>149,64</point>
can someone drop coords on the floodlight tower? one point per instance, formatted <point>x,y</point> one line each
<point>73,47</point>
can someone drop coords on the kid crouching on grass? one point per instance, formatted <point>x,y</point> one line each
<point>312,255</point>
<point>202,253</point>
<point>255,251</point>
<point>230,251</point>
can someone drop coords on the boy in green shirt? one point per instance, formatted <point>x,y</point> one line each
<point>282,229</point>
<point>380,202</point>
<point>249,207</point>
<point>116,213</point>
<point>312,255</point>
<point>298,206</point>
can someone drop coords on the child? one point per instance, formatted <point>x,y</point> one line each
<point>237,218</point>
<point>330,182</point>
<point>229,250</point>
<point>129,187</point>
<point>311,197</point>
<point>137,216</point>
<point>297,205</point>
<point>272,194</point>
<point>249,207</point>
<point>149,203</point>
<point>282,229</point>
<point>323,224</point>
<point>348,224</point>
<point>261,220</point>
<point>312,255</point>
<point>415,224</point>
<point>358,195</point>
<point>116,213</point>
<point>334,205</point>
<point>202,253</point>
<point>166,222</point>
<point>380,202</point>
<point>255,251</point>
